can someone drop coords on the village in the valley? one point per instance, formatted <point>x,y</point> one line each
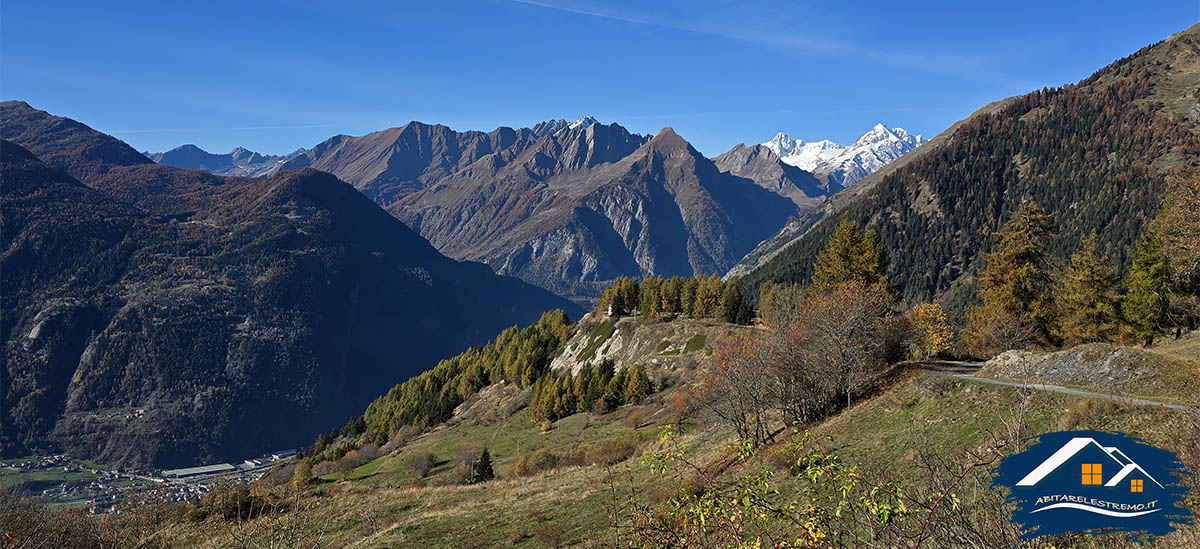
<point>60,479</point>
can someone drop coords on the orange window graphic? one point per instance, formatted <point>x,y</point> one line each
<point>1092,474</point>
<point>1135,485</point>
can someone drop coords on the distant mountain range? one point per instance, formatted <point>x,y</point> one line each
<point>157,316</point>
<point>238,162</point>
<point>843,165</point>
<point>570,206</point>
<point>566,206</point>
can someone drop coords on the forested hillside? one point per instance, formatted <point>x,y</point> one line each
<point>1095,154</point>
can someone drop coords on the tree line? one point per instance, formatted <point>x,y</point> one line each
<point>592,389</point>
<point>519,356</point>
<point>694,297</point>
<point>1027,298</point>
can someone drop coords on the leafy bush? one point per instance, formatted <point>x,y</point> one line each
<point>420,463</point>
<point>608,452</point>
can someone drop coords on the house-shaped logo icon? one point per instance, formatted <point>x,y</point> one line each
<point>1093,481</point>
<point>1095,465</point>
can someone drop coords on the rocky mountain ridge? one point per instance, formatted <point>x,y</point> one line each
<point>238,162</point>
<point>160,317</point>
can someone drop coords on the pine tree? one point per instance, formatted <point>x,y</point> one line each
<point>628,293</point>
<point>851,256</point>
<point>482,471</point>
<point>1147,304</point>
<point>637,385</point>
<point>1016,285</point>
<point>1087,296</point>
<point>708,298</point>
<point>687,296</point>
<point>567,401</point>
<point>731,303</point>
<point>651,304</point>
<point>735,305</point>
<point>669,294</point>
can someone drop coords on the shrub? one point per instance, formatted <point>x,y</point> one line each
<point>543,460</point>
<point>610,452</point>
<point>302,474</point>
<point>233,502</point>
<point>549,534</point>
<point>636,417</point>
<point>279,475</point>
<point>1087,413</point>
<point>521,467</point>
<point>421,463</point>
<point>400,438</point>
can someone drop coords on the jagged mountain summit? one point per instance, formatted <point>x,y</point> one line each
<point>389,164</point>
<point>582,206</point>
<point>161,317</point>
<point>238,162</point>
<point>570,206</point>
<point>843,165</point>
<point>760,164</point>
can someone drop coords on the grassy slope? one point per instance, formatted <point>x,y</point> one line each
<point>571,504</point>
<point>940,412</point>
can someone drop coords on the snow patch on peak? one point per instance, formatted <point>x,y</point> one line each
<point>584,122</point>
<point>845,164</point>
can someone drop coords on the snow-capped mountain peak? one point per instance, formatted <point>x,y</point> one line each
<point>582,122</point>
<point>844,164</point>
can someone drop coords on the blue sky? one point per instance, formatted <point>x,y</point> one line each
<point>276,76</point>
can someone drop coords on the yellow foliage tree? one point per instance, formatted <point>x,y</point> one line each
<point>933,332</point>
<point>1015,286</point>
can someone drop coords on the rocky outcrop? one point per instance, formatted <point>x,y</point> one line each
<point>1099,365</point>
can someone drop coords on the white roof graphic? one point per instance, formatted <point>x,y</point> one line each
<point>1074,446</point>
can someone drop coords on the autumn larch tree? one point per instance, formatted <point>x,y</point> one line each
<point>708,298</point>
<point>637,385</point>
<point>1016,286</point>
<point>1087,296</point>
<point>1180,231</point>
<point>851,256</point>
<point>650,291</point>
<point>932,333</point>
